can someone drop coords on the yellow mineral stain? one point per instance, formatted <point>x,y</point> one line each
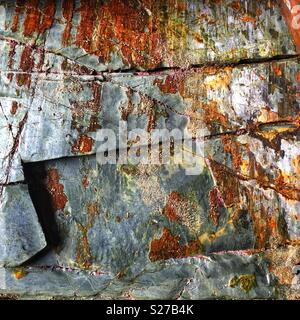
<point>20,273</point>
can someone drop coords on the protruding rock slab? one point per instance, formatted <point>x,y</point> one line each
<point>21,235</point>
<point>121,34</point>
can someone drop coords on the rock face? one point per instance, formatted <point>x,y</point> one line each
<point>21,235</point>
<point>71,68</point>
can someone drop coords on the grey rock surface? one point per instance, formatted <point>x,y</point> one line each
<point>21,235</point>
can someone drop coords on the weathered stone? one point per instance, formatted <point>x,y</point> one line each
<point>190,278</point>
<point>149,231</point>
<point>21,235</point>
<point>147,34</point>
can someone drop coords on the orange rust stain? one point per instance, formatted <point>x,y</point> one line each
<point>67,12</point>
<point>216,203</point>
<point>278,184</point>
<point>56,189</point>
<point>92,209</point>
<point>14,107</point>
<point>248,18</point>
<point>85,181</point>
<point>179,5</point>
<point>272,4</point>
<point>47,16</point>
<point>151,120</point>
<point>287,190</point>
<point>277,69</point>
<point>84,256</point>
<point>94,124</point>
<point>168,246</point>
<point>258,12</point>
<point>172,84</point>
<point>296,164</point>
<point>282,261</point>
<point>18,11</point>
<point>289,17</point>
<point>119,24</point>
<point>220,80</point>
<point>212,113</point>
<point>126,109</point>
<point>234,148</point>
<point>11,60</point>
<point>266,222</point>
<point>20,273</point>
<point>85,30</point>
<point>84,144</point>
<point>36,19</point>
<point>78,111</point>
<point>171,208</point>
<point>32,19</point>
<point>267,115</point>
<point>227,183</point>
<point>197,37</point>
<point>26,65</point>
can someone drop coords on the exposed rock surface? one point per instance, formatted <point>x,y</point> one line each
<point>21,235</point>
<point>69,68</point>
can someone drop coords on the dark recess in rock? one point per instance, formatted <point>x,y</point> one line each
<point>35,175</point>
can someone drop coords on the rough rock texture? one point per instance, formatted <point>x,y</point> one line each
<point>21,235</point>
<point>149,231</point>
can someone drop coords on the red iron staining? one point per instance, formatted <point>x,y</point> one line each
<point>11,61</point>
<point>172,84</point>
<point>168,246</point>
<point>85,30</point>
<point>91,106</point>
<point>56,189</point>
<point>94,124</point>
<point>18,11</point>
<point>216,203</point>
<point>297,77</point>
<point>92,209</point>
<point>47,16</point>
<point>94,104</point>
<point>212,114</point>
<point>119,24</point>
<point>84,256</point>
<point>289,17</point>
<point>84,144</point>
<point>32,19</point>
<point>67,11</point>
<point>40,64</point>
<point>36,19</point>
<point>85,182</point>
<point>26,65</point>
<point>277,69</point>
<point>234,148</point>
<point>14,107</point>
<point>171,209</point>
<point>266,226</point>
<point>151,120</point>
<point>127,108</point>
<point>248,18</point>
<point>75,68</point>
<point>236,5</point>
<point>228,184</point>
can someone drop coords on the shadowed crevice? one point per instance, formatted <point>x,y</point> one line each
<point>35,176</point>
